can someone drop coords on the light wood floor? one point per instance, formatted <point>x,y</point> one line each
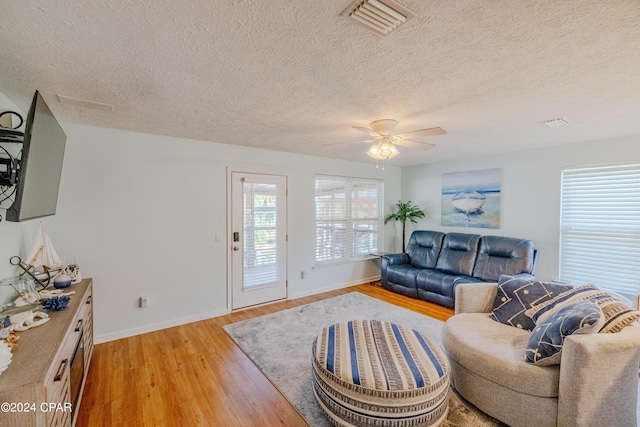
<point>195,375</point>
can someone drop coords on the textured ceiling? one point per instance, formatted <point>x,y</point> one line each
<point>295,76</point>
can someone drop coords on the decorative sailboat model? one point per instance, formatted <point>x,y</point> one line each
<point>43,262</point>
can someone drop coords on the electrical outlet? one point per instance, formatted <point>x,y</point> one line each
<point>144,301</point>
<point>303,274</point>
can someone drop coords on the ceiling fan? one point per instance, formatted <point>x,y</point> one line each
<point>385,139</point>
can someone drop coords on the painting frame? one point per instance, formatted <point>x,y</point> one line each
<point>471,198</point>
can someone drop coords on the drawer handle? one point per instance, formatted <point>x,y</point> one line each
<point>78,326</point>
<point>61,369</point>
<point>88,299</point>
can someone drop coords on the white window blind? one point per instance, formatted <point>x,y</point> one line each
<point>260,230</point>
<point>600,227</point>
<point>349,218</point>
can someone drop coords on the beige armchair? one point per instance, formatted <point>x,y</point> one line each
<point>596,383</point>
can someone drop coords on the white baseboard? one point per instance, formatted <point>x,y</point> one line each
<point>158,326</point>
<point>98,339</point>
<point>306,293</point>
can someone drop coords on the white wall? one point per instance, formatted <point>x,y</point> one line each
<point>140,212</point>
<point>10,239</point>
<point>12,235</point>
<point>530,198</point>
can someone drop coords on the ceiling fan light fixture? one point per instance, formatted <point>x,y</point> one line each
<point>385,140</point>
<point>382,150</point>
<point>374,152</point>
<point>385,149</point>
<point>394,151</point>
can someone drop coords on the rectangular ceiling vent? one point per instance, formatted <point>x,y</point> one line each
<point>554,123</point>
<point>379,16</point>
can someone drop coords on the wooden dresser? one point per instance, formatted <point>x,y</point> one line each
<point>48,370</point>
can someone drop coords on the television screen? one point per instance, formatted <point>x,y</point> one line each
<point>40,166</point>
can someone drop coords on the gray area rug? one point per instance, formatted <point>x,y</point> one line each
<point>280,345</point>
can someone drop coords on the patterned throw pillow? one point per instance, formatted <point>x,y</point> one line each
<point>617,314</point>
<point>546,340</point>
<point>515,296</point>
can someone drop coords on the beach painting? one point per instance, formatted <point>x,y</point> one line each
<point>471,199</point>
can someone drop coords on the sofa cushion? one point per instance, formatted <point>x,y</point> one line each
<point>424,247</point>
<point>404,274</point>
<point>499,255</point>
<point>436,298</point>
<point>495,351</point>
<point>458,253</point>
<point>440,283</point>
<point>546,340</point>
<point>402,290</point>
<point>515,296</point>
<point>617,314</point>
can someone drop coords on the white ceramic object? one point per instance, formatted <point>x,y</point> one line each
<point>62,280</point>
<point>5,356</point>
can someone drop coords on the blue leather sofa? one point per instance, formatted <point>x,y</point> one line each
<point>435,262</point>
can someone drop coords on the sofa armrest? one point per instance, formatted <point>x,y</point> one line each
<point>394,259</point>
<point>599,379</point>
<point>526,276</point>
<point>388,260</point>
<point>475,297</point>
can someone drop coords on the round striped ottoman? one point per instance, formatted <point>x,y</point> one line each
<point>374,373</point>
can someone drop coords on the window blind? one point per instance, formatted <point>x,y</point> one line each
<point>600,227</point>
<point>260,234</point>
<point>349,219</point>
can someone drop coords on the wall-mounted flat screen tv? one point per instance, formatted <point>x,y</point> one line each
<point>40,164</point>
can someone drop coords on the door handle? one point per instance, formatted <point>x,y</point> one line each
<point>235,248</point>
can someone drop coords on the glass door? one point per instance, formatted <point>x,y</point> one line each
<point>258,243</point>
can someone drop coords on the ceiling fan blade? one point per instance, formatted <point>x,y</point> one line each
<point>415,144</point>
<point>368,131</point>
<point>423,132</point>
<point>346,142</point>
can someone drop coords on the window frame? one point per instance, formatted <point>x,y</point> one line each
<point>599,226</point>
<point>334,219</point>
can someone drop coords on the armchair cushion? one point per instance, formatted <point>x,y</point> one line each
<point>546,340</point>
<point>496,352</point>
<point>515,296</point>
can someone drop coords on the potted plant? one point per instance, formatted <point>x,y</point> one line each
<point>405,212</point>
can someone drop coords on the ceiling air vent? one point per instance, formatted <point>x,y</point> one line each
<point>379,16</point>
<point>554,123</point>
